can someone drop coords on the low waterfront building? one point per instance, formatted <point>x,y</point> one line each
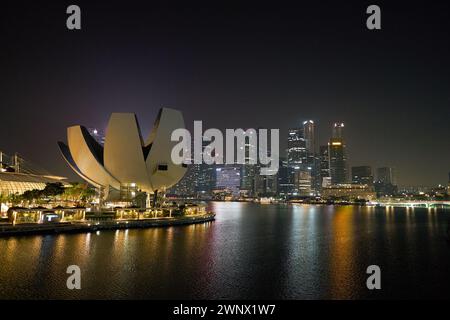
<point>19,215</point>
<point>18,183</point>
<point>349,191</point>
<point>40,215</point>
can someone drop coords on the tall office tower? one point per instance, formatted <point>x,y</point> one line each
<point>324,167</point>
<point>206,179</point>
<point>248,173</point>
<point>187,186</point>
<point>297,155</point>
<point>266,186</point>
<point>337,155</point>
<point>310,136</point>
<point>448,185</point>
<point>386,175</point>
<point>248,170</point>
<point>324,162</point>
<point>338,130</point>
<point>312,160</point>
<point>285,179</point>
<point>228,177</point>
<point>362,175</point>
<point>296,148</point>
<point>385,184</point>
<point>302,159</point>
<point>338,165</point>
<point>206,176</point>
<point>303,182</point>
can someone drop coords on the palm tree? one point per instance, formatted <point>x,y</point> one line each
<point>79,192</point>
<point>14,198</point>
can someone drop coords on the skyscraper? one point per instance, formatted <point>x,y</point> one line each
<point>187,186</point>
<point>324,161</point>
<point>448,185</point>
<point>310,137</point>
<point>229,178</point>
<point>386,175</point>
<point>303,182</point>
<point>249,171</point>
<point>199,180</point>
<point>337,155</point>
<point>296,147</point>
<point>324,165</point>
<point>385,184</point>
<point>285,179</point>
<point>266,186</point>
<point>338,130</point>
<point>362,175</point>
<point>312,158</point>
<point>299,160</point>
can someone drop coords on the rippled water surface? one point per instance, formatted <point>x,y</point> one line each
<point>251,251</point>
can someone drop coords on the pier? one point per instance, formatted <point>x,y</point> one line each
<point>90,226</point>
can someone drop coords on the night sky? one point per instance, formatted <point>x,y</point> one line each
<point>233,64</point>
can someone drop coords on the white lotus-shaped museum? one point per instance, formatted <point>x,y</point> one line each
<point>126,159</point>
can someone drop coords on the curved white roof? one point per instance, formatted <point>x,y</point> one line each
<point>125,159</point>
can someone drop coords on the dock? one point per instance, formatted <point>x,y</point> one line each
<point>91,226</point>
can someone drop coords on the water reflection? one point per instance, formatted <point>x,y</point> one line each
<point>251,251</point>
<point>342,255</point>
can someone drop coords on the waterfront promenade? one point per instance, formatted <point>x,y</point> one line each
<point>410,203</point>
<point>92,226</point>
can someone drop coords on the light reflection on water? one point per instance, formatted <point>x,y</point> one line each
<point>251,251</point>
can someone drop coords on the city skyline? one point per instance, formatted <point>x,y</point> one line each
<point>305,170</point>
<point>251,67</point>
<point>224,159</point>
<point>97,132</point>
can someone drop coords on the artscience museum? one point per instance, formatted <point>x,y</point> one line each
<point>126,163</point>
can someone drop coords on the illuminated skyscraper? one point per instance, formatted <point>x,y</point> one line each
<point>249,170</point>
<point>296,147</point>
<point>338,130</point>
<point>337,155</point>
<point>199,180</point>
<point>187,186</point>
<point>386,175</point>
<point>324,162</point>
<point>266,186</point>
<point>303,182</point>
<point>312,159</point>
<point>362,175</point>
<point>302,160</point>
<point>385,184</point>
<point>206,175</point>
<point>229,178</point>
<point>285,179</point>
<point>310,137</point>
<point>448,185</point>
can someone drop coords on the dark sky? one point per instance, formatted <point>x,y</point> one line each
<point>234,64</point>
